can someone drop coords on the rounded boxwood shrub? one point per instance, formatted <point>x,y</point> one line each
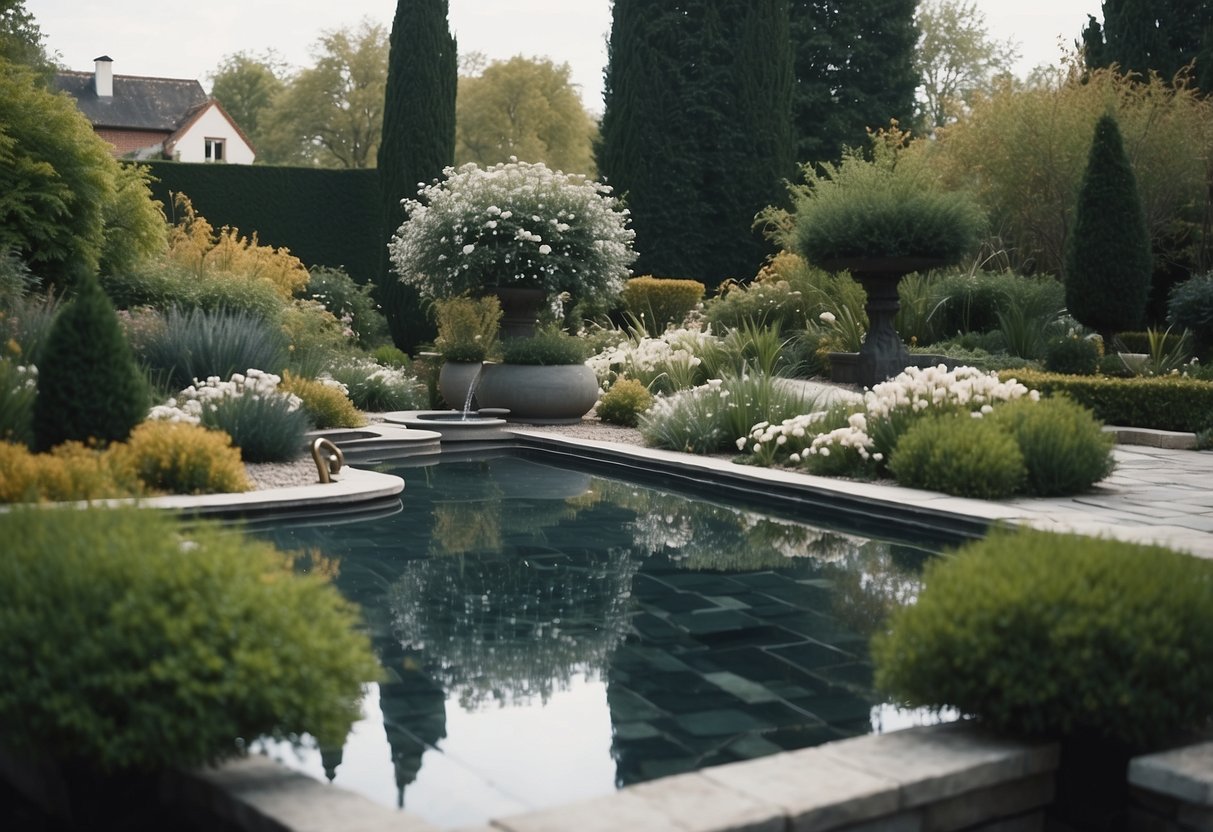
<point>1073,356</point>
<point>132,644</point>
<point>1041,634</point>
<point>89,387</point>
<point>1190,306</point>
<point>70,471</point>
<point>1064,447</point>
<point>624,402</point>
<point>181,458</point>
<point>547,347</point>
<point>960,455</point>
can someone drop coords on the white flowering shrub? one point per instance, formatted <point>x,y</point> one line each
<point>375,388</point>
<point>664,364</point>
<point>864,442</point>
<point>514,224</point>
<point>266,423</point>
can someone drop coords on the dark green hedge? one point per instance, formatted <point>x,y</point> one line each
<point>1159,402</point>
<point>325,217</point>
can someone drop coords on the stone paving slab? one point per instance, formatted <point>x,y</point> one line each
<point>1184,774</point>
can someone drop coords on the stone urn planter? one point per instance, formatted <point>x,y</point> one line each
<point>883,355</point>
<point>520,308</point>
<point>546,395</point>
<point>456,381</point>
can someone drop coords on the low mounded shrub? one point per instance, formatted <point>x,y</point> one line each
<point>69,472</point>
<point>375,388</point>
<point>351,302</point>
<point>131,644</point>
<point>180,458</point>
<point>624,402</point>
<point>547,347</point>
<point>1190,306</point>
<point>1072,356</point>
<point>390,356</point>
<point>1161,402</point>
<point>959,455</point>
<point>1039,634</point>
<point>326,403</point>
<point>1063,446</point>
<point>660,302</point>
<point>165,285</point>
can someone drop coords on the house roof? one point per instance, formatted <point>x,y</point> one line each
<point>138,103</point>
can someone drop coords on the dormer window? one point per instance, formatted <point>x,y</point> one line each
<point>214,150</point>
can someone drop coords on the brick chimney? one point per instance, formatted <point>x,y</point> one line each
<point>103,78</point>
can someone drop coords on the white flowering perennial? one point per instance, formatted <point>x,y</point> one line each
<point>673,356</point>
<point>889,407</point>
<point>513,224</point>
<point>189,405</point>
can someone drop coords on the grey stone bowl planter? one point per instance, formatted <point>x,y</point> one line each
<point>551,395</point>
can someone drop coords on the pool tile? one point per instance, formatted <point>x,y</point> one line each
<point>716,621</point>
<point>811,655</point>
<point>721,722</point>
<point>747,691</point>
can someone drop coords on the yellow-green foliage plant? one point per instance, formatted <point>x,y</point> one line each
<point>194,244</point>
<point>210,639</point>
<point>69,472</point>
<point>1024,149</point>
<point>1039,634</point>
<point>467,327</point>
<point>180,458</point>
<point>659,303</point>
<point>325,402</point>
<point>624,402</point>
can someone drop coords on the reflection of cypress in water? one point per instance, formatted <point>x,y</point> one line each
<point>330,758</point>
<point>414,714</point>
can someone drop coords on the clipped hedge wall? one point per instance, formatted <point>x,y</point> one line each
<point>325,217</point>
<point>1159,402</point>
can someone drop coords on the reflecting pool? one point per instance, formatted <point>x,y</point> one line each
<point>549,635</point>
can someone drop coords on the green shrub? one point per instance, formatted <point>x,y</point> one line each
<point>266,428</point>
<point>1072,356</point>
<point>1059,635</point>
<point>89,387</point>
<point>18,388</point>
<point>132,644</point>
<point>959,455</point>
<point>660,302</point>
<point>16,281</point>
<point>198,344</point>
<point>1064,449</point>
<point>163,284</point>
<point>350,302</point>
<point>25,325</point>
<point>624,402</point>
<point>547,347</point>
<point>1162,402</point>
<point>1190,307</point>
<point>1140,341</point>
<point>787,294</point>
<point>390,356</point>
<point>326,404</point>
<point>180,458</point>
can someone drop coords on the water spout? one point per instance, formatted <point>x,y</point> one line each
<point>467,401</point>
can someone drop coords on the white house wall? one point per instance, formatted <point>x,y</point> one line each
<point>191,146</point>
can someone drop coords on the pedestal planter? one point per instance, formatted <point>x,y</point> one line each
<point>455,379</point>
<point>520,307</point>
<point>557,394</point>
<point>882,355</point>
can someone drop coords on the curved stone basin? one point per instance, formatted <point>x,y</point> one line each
<point>452,424</point>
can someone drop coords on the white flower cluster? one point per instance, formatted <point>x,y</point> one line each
<point>890,405</point>
<point>27,377</point>
<point>189,405</point>
<point>513,224</point>
<point>674,354</point>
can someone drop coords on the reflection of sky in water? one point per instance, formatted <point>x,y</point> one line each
<point>549,636</point>
<point>494,761</point>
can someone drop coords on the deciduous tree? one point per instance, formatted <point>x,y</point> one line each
<point>21,40</point>
<point>956,58</point>
<point>247,86</point>
<point>524,107</point>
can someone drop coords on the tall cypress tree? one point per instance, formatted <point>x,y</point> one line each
<point>1108,260</point>
<point>1159,35</point>
<point>854,70</point>
<point>696,135</point>
<point>418,140</point>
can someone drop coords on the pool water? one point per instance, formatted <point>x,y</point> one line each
<point>550,635</point>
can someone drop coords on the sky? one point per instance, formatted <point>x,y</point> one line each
<point>189,40</point>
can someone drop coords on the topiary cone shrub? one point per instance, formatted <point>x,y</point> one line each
<point>131,644</point>
<point>89,387</point>
<point>1062,636</point>
<point>1108,262</point>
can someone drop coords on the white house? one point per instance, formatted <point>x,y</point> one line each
<point>156,118</point>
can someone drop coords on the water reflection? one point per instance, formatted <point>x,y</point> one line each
<point>539,626</point>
